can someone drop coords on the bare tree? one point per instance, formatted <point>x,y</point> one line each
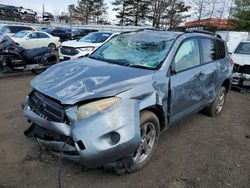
<point>212,10</point>
<point>201,7</point>
<point>158,7</point>
<point>56,13</point>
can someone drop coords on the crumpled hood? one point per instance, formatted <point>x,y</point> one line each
<point>74,81</point>
<point>78,44</point>
<point>241,59</point>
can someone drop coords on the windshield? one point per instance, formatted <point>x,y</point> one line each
<point>243,48</point>
<point>95,37</point>
<point>21,34</point>
<point>125,50</point>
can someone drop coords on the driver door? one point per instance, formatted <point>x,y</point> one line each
<point>186,87</point>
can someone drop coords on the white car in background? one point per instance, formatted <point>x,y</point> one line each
<point>30,39</point>
<point>241,58</point>
<point>27,11</point>
<point>79,48</point>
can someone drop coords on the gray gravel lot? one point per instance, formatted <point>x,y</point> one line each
<point>197,152</point>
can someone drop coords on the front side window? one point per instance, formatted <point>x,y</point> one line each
<point>134,50</point>
<point>33,36</point>
<point>208,50</point>
<point>243,48</point>
<point>187,56</point>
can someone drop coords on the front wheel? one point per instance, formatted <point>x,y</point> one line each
<point>217,105</point>
<point>150,130</point>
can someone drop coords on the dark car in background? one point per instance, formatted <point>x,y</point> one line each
<point>112,106</point>
<point>8,12</point>
<point>47,17</point>
<point>6,41</point>
<point>63,33</point>
<point>12,29</point>
<point>79,33</point>
<point>13,13</point>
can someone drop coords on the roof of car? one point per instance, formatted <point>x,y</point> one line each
<point>103,32</point>
<point>18,26</point>
<point>151,35</point>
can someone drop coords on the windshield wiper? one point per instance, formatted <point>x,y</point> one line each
<point>122,63</point>
<point>141,66</point>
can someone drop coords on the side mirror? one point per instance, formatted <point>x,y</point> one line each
<point>27,38</point>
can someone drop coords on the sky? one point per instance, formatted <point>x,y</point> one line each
<point>53,6</point>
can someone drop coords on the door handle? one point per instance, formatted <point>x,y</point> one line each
<point>201,75</point>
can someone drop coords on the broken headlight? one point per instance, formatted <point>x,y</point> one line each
<point>87,110</point>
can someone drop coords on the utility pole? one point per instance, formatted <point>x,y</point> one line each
<point>43,10</point>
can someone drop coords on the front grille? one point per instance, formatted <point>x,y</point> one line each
<point>46,107</point>
<point>68,50</point>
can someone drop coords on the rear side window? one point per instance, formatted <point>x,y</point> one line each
<point>42,35</point>
<point>208,50</point>
<point>221,49</point>
<point>15,29</point>
<point>60,32</point>
<point>188,55</point>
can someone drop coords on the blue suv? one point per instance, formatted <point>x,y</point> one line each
<point>112,106</point>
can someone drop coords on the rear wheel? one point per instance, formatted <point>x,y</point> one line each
<point>52,46</point>
<point>217,105</point>
<point>150,129</point>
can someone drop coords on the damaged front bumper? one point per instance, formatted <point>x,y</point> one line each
<point>241,75</point>
<point>98,140</point>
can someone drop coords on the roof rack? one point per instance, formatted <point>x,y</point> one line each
<point>142,29</point>
<point>204,32</point>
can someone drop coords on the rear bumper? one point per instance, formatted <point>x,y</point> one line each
<point>95,141</point>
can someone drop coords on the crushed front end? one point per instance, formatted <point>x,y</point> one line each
<point>241,76</point>
<point>99,139</point>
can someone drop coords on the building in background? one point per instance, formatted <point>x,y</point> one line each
<point>210,24</point>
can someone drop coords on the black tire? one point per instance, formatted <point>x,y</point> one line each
<point>147,118</point>
<point>37,71</point>
<point>216,107</point>
<point>52,46</point>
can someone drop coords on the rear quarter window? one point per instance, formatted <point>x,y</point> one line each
<point>208,50</point>
<point>221,49</point>
<point>15,29</point>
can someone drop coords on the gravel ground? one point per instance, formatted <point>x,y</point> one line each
<point>197,152</point>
